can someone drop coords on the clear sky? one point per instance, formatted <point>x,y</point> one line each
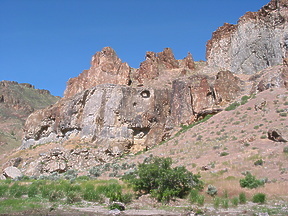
<point>46,42</point>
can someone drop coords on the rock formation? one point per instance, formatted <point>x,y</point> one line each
<point>17,102</point>
<point>106,67</point>
<point>259,40</point>
<point>124,118</point>
<point>118,109</point>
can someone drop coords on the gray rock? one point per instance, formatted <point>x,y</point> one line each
<point>258,41</point>
<point>12,172</point>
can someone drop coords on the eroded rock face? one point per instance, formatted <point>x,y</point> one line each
<point>116,117</point>
<point>106,67</point>
<point>120,119</point>
<point>157,63</point>
<point>259,40</point>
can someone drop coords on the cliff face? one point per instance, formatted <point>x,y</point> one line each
<point>259,40</point>
<point>121,115</point>
<point>118,109</point>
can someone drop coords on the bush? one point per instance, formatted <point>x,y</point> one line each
<point>222,154</point>
<point>232,106</point>
<point>235,201</point>
<point>251,182</point>
<point>259,162</point>
<point>285,149</point>
<point>242,198</point>
<point>259,198</point>
<point>193,196</point>
<point>160,180</point>
<point>225,203</point>
<point>111,191</point>
<point>95,171</point>
<point>200,200</point>
<point>217,202</point>
<point>211,190</point>
<point>90,193</point>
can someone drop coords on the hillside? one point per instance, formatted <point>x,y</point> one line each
<point>17,102</point>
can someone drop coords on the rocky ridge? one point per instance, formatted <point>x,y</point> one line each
<point>17,102</point>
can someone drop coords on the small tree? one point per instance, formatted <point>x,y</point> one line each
<point>251,182</point>
<point>160,180</point>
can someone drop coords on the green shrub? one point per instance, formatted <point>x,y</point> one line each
<point>95,171</point>
<point>211,190</point>
<point>193,196</point>
<point>232,106</point>
<point>251,182</point>
<point>126,198</point>
<point>216,203</point>
<point>222,154</point>
<point>283,114</point>
<point>259,198</point>
<point>70,174</point>
<point>163,182</point>
<point>259,162</point>
<point>200,200</point>
<point>242,198</point>
<point>116,205</point>
<point>235,201</point>
<point>225,203</point>
<point>285,149</point>
<point>245,99</point>
<point>112,191</point>
<point>90,193</point>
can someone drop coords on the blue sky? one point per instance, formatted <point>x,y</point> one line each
<point>46,42</point>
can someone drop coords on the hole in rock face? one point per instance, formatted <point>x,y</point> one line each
<point>145,94</point>
<point>140,133</point>
<point>134,104</point>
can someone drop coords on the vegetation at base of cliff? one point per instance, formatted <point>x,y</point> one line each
<point>155,176</point>
<point>29,194</point>
<point>187,127</point>
<point>236,104</point>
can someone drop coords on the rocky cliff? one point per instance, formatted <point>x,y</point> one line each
<point>257,41</point>
<point>122,118</point>
<point>118,109</point>
<point>17,102</point>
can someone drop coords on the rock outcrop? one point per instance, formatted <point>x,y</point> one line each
<point>156,64</point>
<point>106,67</point>
<point>259,40</point>
<point>17,102</point>
<point>120,119</point>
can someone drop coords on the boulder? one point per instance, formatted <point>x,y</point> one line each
<point>12,172</point>
<point>275,135</point>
